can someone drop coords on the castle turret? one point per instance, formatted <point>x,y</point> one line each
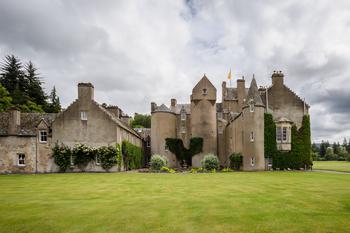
<point>253,130</point>
<point>163,122</point>
<point>203,118</point>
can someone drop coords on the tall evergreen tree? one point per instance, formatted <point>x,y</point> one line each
<point>54,106</point>
<point>35,90</point>
<point>5,99</point>
<point>12,76</point>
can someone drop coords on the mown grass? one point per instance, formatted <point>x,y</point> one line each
<point>135,202</point>
<point>341,166</point>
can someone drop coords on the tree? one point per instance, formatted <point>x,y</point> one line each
<point>35,90</point>
<point>54,106</point>
<point>270,145</point>
<point>5,99</point>
<point>11,73</point>
<point>141,121</point>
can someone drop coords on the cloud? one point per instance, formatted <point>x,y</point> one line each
<point>136,52</point>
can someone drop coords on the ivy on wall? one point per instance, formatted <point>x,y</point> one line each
<point>108,156</point>
<point>132,155</point>
<point>300,154</point>
<point>183,154</point>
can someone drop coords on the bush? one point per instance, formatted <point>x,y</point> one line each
<point>196,170</point>
<point>62,155</point>
<point>109,156</point>
<point>82,155</point>
<point>226,169</point>
<point>168,170</point>
<point>157,162</point>
<point>210,162</point>
<point>236,160</point>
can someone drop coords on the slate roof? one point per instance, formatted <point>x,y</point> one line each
<point>162,108</point>
<point>29,122</point>
<point>231,93</point>
<point>254,94</point>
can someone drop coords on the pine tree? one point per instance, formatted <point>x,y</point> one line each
<point>5,99</point>
<point>12,76</point>
<point>54,106</point>
<point>35,90</point>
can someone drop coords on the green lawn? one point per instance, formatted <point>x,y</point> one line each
<point>136,202</point>
<point>341,166</point>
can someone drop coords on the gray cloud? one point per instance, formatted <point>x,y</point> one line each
<point>136,52</point>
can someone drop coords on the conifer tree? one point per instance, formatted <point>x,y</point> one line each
<point>54,106</point>
<point>12,76</point>
<point>35,90</point>
<point>5,99</point>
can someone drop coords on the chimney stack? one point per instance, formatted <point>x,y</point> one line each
<point>14,121</point>
<point>173,102</point>
<point>153,106</point>
<point>277,78</point>
<point>85,91</point>
<point>240,91</point>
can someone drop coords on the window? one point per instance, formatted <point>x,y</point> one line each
<point>83,116</point>
<point>219,115</point>
<point>98,159</point>
<point>21,159</point>
<point>279,134</point>
<point>183,129</point>
<point>252,136</point>
<point>148,143</point>
<point>43,136</point>
<point>183,116</point>
<point>166,148</point>
<point>284,134</point>
<point>251,107</point>
<point>205,91</point>
<point>252,161</point>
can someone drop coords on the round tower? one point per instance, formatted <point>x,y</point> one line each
<point>163,125</point>
<point>203,118</point>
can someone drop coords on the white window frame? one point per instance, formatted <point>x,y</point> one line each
<point>183,116</point>
<point>43,134</point>
<point>284,134</point>
<point>279,134</point>
<point>21,159</point>
<point>252,161</point>
<point>252,136</point>
<point>83,115</point>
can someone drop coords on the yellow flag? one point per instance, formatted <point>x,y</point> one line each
<point>229,75</point>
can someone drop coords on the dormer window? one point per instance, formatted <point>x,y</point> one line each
<point>43,136</point>
<point>183,116</point>
<point>83,116</point>
<point>205,91</point>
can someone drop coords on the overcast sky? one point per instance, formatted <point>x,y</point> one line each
<point>136,52</point>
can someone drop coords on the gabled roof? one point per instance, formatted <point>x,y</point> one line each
<point>28,122</point>
<point>204,82</point>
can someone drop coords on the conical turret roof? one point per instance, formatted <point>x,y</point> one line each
<point>253,93</point>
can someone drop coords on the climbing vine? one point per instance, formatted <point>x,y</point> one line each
<point>183,154</point>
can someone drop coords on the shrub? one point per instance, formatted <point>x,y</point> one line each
<point>226,169</point>
<point>196,170</point>
<point>109,156</point>
<point>82,155</point>
<point>168,170</point>
<point>210,162</point>
<point>157,162</point>
<point>62,155</point>
<point>236,160</point>
<point>184,155</point>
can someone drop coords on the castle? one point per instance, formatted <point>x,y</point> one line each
<point>236,125</point>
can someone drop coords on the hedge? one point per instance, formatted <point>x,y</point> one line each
<point>183,154</point>
<point>132,155</point>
